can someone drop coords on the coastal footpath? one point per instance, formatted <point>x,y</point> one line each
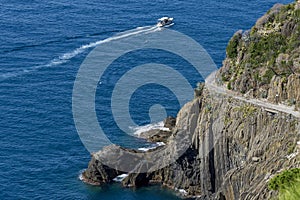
<point>244,123</point>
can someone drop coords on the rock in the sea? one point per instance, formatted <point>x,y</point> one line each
<point>98,174</point>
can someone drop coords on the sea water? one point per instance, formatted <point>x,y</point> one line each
<point>43,44</point>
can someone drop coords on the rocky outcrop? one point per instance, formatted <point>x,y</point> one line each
<point>97,173</point>
<point>235,148</point>
<point>265,61</point>
<point>158,135</point>
<point>288,90</point>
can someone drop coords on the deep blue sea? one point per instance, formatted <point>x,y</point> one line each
<point>41,154</point>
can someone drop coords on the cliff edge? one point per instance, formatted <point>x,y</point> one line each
<point>243,124</point>
<point>264,62</point>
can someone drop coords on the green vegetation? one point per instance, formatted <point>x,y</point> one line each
<point>208,107</point>
<point>267,50</point>
<point>267,47</point>
<point>291,148</point>
<point>229,85</point>
<point>294,40</point>
<point>268,76</point>
<point>231,49</point>
<point>198,91</point>
<point>287,183</point>
<point>291,193</point>
<point>227,120</point>
<point>297,14</point>
<point>291,102</point>
<point>247,110</point>
<point>285,12</point>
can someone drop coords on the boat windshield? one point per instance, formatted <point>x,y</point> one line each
<point>163,19</point>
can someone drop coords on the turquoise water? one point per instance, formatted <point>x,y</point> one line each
<point>40,151</point>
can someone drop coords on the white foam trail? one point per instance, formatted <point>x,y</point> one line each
<point>67,56</point>
<point>140,129</point>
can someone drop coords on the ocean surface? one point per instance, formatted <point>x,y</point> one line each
<point>42,45</point>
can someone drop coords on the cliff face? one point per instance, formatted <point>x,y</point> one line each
<point>265,61</point>
<point>236,147</point>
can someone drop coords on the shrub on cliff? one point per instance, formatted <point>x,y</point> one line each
<point>287,183</point>
<point>231,49</point>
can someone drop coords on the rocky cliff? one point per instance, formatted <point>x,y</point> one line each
<point>265,61</point>
<point>235,147</point>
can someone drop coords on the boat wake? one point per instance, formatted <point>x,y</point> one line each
<point>69,55</point>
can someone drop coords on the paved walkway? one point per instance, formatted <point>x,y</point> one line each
<point>210,83</point>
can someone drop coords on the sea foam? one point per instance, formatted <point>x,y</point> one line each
<point>141,129</point>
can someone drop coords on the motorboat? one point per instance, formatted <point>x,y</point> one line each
<point>165,21</point>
